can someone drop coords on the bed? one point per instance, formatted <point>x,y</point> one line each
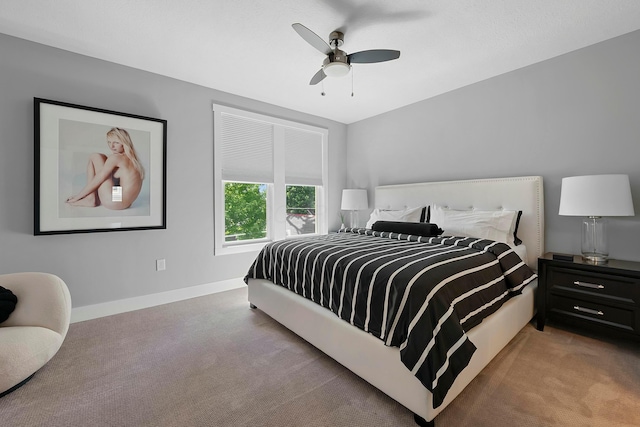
<point>367,355</point>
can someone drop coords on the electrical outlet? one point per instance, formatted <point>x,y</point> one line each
<point>161,265</point>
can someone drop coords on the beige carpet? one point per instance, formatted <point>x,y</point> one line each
<point>212,361</point>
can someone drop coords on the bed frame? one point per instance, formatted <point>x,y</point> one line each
<point>366,355</point>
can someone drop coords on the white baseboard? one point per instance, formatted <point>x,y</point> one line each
<point>88,312</point>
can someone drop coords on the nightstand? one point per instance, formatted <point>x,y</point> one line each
<point>603,298</point>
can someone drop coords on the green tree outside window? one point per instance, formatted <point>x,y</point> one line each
<point>245,211</point>
<point>301,199</point>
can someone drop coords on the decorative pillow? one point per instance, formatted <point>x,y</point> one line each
<point>414,228</point>
<point>8,303</point>
<point>404,215</point>
<point>495,225</point>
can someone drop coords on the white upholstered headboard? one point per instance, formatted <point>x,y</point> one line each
<point>518,193</point>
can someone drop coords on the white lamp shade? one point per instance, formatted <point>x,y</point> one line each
<point>354,200</point>
<point>596,195</point>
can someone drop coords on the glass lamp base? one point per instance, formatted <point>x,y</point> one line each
<point>353,219</point>
<point>595,245</point>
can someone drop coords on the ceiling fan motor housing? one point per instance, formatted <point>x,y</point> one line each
<point>337,56</point>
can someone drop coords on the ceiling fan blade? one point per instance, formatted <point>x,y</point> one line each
<point>312,38</point>
<point>371,56</point>
<point>318,77</point>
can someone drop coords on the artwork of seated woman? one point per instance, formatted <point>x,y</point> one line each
<point>121,168</point>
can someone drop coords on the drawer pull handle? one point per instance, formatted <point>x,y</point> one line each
<point>588,310</point>
<point>588,285</point>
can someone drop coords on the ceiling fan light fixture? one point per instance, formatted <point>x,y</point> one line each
<point>336,69</point>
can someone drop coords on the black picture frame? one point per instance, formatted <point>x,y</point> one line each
<point>71,150</point>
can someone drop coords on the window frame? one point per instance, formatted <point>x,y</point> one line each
<point>276,191</point>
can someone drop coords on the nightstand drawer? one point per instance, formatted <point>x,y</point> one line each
<point>605,287</point>
<point>617,317</point>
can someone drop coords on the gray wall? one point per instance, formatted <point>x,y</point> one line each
<point>577,114</point>
<point>101,267</point>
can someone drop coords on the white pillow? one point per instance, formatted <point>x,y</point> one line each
<point>494,225</point>
<point>404,215</point>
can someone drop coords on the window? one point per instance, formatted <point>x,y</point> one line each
<point>269,179</point>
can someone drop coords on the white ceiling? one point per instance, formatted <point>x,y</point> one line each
<point>248,48</point>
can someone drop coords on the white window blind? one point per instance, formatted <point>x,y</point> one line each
<point>303,157</point>
<point>247,149</point>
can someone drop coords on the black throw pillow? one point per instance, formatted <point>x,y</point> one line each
<point>414,228</point>
<point>8,303</point>
<point>516,239</point>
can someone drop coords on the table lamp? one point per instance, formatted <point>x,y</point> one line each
<point>596,197</point>
<point>354,200</point>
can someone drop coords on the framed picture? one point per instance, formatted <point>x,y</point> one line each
<point>97,170</point>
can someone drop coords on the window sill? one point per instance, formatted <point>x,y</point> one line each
<point>238,248</point>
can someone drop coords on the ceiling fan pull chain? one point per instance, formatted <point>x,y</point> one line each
<point>352,71</point>
<point>322,93</point>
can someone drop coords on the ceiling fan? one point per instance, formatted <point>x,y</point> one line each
<point>338,63</point>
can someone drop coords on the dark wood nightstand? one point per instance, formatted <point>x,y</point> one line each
<point>602,298</point>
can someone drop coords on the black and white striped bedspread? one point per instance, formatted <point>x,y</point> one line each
<point>420,294</point>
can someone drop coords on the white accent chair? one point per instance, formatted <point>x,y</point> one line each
<point>35,330</point>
